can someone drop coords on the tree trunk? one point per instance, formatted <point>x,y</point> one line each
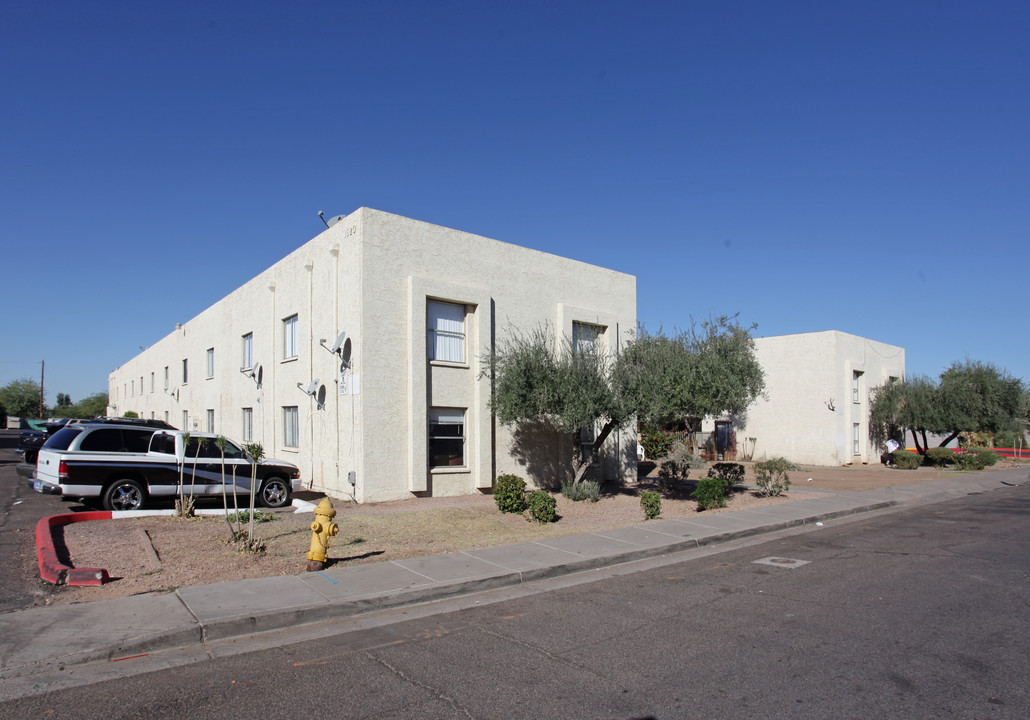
<point>584,462</point>
<point>948,439</point>
<point>915,440</point>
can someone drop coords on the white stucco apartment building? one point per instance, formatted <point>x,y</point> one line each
<point>401,408</point>
<point>816,405</point>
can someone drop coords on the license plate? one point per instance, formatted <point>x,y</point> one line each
<point>37,486</point>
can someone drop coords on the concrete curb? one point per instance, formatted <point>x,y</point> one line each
<point>51,569</point>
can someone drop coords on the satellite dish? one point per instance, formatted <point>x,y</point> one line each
<point>339,342</point>
<point>320,397</point>
<point>333,221</point>
<point>345,353</point>
<point>257,372</point>
<point>313,387</point>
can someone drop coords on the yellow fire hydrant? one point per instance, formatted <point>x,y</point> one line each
<point>321,530</point>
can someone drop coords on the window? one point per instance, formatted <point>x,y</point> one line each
<point>446,437</point>
<point>185,420</point>
<point>291,427</point>
<point>133,386</point>
<point>290,337</point>
<point>586,337</point>
<point>210,421</point>
<point>446,331</point>
<point>185,371</point>
<point>248,424</point>
<point>248,350</point>
<point>856,381</point>
<point>210,362</point>
<point>166,416</point>
<point>166,377</point>
<point>152,382</point>
<point>856,439</point>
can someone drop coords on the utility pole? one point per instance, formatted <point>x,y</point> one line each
<point>42,374</point>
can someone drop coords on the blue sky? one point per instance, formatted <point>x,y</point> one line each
<point>853,166</point>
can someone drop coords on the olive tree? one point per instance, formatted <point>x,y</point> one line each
<point>969,397</point>
<point>707,370</point>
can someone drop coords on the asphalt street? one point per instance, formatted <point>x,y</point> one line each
<point>915,613</point>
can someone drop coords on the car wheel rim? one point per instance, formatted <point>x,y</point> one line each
<point>275,493</point>
<point>125,498</point>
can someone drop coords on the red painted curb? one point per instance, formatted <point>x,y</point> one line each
<point>53,570</point>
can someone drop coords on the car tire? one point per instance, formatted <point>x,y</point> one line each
<point>124,495</point>
<point>275,493</point>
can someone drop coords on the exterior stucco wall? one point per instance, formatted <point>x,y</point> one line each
<point>370,275</point>
<point>809,411</point>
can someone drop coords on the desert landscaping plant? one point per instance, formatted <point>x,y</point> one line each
<point>679,462</point>
<point>651,502</point>
<point>771,476</point>
<point>710,493</point>
<point>730,472</point>
<point>255,452</point>
<point>540,506</point>
<point>510,493</point>
<point>184,506</point>
<point>586,490</point>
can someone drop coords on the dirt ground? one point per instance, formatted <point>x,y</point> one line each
<point>161,554</point>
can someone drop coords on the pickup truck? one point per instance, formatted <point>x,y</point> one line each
<point>122,466</point>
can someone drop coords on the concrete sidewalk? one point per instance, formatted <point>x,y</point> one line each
<point>45,639</point>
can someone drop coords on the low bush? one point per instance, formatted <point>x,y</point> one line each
<point>510,493</point>
<point>771,476</point>
<point>586,490</point>
<point>651,502</point>
<point>679,462</point>
<point>974,458</point>
<point>540,506</point>
<point>732,473</point>
<point>987,456</point>
<point>939,456</point>
<point>905,460</point>
<point>260,516</point>
<point>710,493</point>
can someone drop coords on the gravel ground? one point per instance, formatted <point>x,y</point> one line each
<point>161,554</point>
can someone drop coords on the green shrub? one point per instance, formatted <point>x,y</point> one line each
<point>710,493</point>
<point>974,458</point>
<point>905,460</point>
<point>657,443</point>
<point>586,490</point>
<point>939,456</point>
<point>510,493</point>
<point>771,476</point>
<point>988,456</point>
<point>731,473</point>
<point>651,502</point>
<point>541,507</point>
